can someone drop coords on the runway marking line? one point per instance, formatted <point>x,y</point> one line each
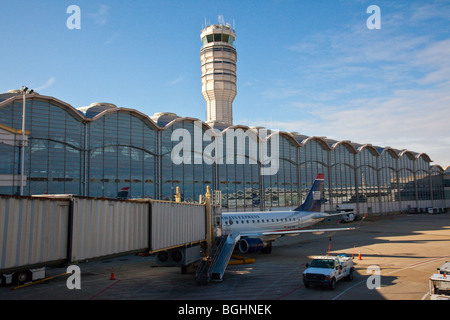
<point>108,287</point>
<point>389,273</point>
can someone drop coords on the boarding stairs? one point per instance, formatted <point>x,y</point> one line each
<point>213,267</point>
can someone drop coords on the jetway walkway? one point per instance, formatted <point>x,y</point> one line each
<point>47,230</point>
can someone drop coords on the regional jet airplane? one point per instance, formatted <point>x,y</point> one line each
<point>257,230</point>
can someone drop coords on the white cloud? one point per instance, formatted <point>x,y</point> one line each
<point>389,87</point>
<point>46,85</point>
<point>176,81</point>
<point>112,38</point>
<point>101,16</point>
<point>429,11</point>
<point>416,120</point>
<point>436,59</point>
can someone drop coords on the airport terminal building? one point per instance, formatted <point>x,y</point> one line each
<point>107,151</point>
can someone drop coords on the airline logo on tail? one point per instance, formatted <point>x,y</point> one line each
<point>314,199</point>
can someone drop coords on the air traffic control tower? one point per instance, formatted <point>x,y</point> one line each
<point>218,61</point>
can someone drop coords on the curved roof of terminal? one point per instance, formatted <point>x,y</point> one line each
<point>163,120</point>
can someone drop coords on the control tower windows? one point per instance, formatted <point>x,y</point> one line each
<point>218,37</point>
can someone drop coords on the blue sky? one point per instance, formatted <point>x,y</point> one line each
<point>307,66</point>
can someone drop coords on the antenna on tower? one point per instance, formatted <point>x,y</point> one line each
<point>221,19</point>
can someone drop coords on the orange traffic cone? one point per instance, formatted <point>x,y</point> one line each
<point>359,255</point>
<point>112,275</point>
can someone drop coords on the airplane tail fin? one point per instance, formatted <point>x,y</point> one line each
<point>314,199</point>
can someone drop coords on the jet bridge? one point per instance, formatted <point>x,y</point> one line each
<point>47,230</point>
<point>208,225</point>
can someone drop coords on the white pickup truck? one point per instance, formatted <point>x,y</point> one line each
<point>327,270</point>
<point>439,284</point>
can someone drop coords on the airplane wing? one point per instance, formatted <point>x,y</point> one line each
<point>281,232</point>
<point>322,215</point>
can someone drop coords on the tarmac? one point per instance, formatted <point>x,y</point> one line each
<point>406,249</point>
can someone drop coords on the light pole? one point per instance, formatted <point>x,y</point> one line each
<point>24,92</point>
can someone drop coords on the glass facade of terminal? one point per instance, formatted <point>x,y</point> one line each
<point>123,149</point>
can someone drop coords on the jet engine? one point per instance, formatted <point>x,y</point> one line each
<point>250,245</point>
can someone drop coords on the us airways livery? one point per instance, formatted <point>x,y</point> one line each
<point>257,230</point>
